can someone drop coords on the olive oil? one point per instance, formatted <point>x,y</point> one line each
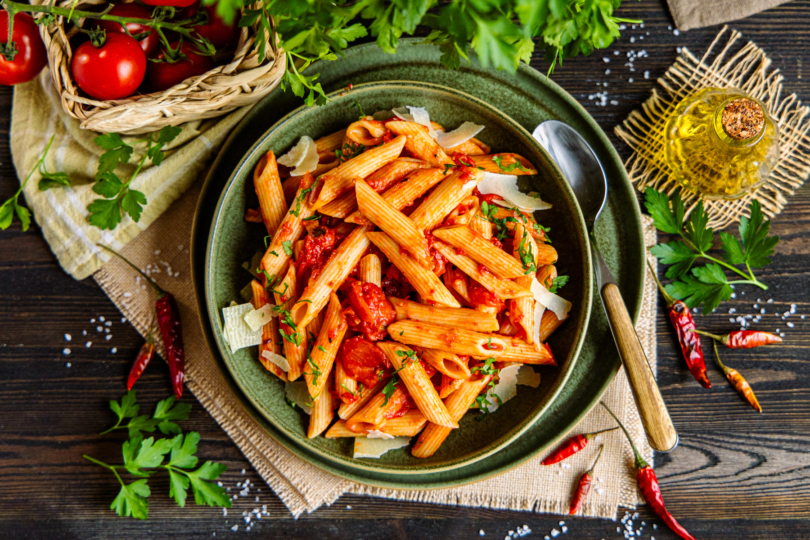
<point>721,143</point>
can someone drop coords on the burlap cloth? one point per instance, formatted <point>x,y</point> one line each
<point>163,248</point>
<point>728,62</point>
<point>690,14</point>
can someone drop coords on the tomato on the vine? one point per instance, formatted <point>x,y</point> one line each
<point>150,43</point>
<point>220,34</point>
<point>31,56</point>
<point>164,75</point>
<point>112,71</point>
<point>173,3</point>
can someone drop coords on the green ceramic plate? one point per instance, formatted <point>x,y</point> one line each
<point>232,240</point>
<point>528,98</point>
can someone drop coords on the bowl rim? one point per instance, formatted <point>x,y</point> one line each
<point>212,311</point>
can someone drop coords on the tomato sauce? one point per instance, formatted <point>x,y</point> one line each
<point>462,160</point>
<point>318,246</point>
<point>400,403</point>
<point>438,260</point>
<point>479,296</point>
<point>394,283</point>
<point>370,311</point>
<point>363,360</point>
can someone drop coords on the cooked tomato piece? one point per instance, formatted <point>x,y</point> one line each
<point>400,403</point>
<point>479,296</point>
<point>488,198</point>
<point>370,311</point>
<point>318,246</point>
<point>462,160</point>
<point>439,261</point>
<point>395,284</point>
<point>363,360</point>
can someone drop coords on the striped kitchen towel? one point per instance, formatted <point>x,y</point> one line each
<point>62,213</point>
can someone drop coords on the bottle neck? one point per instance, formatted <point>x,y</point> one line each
<point>727,139</point>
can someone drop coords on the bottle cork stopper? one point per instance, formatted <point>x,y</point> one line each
<point>743,119</point>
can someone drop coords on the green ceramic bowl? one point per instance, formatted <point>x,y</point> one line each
<point>233,241</point>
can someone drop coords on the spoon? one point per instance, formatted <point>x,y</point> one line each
<point>584,173</point>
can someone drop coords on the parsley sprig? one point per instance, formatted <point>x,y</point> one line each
<point>708,284</point>
<point>509,168</point>
<point>487,368</point>
<point>11,207</point>
<point>145,457</point>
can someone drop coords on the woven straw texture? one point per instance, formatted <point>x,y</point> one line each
<point>303,487</point>
<point>242,81</point>
<point>727,63</point>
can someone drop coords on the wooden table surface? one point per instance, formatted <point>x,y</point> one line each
<point>736,474</point>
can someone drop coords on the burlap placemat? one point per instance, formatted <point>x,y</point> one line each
<point>690,14</point>
<point>727,63</point>
<point>303,487</point>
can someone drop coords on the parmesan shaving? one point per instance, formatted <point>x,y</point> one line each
<point>418,115</point>
<point>551,301</point>
<point>298,393</point>
<point>504,389</point>
<point>237,332</point>
<point>377,434</point>
<point>259,317</point>
<point>365,447</point>
<point>461,134</point>
<point>506,186</point>
<point>277,359</point>
<point>296,155</point>
<point>527,376</point>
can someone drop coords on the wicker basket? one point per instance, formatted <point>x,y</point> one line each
<point>241,82</point>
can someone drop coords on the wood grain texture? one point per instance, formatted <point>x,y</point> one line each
<point>735,475</point>
<point>651,407</point>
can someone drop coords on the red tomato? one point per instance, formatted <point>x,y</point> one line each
<point>372,312</point>
<point>150,43</point>
<point>220,35</point>
<point>363,361</point>
<point>31,56</point>
<point>174,3</point>
<point>400,403</point>
<point>395,284</point>
<point>164,75</point>
<point>316,252</point>
<point>113,71</point>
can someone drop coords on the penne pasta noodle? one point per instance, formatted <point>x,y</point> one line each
<point>393,222</point>
<point>423,280</point>
<point>445,363</point>
<point>340,179</point>
<point>270,337</point>
<point>448,386</point>
<point>463,214</point>
<point>290,186</point>
<point>278,253</point>
<point>267,182</point>
<point>413,375</point>
<point>508,329</point>
<point>546,254</point>
<point>324,351</point>
<point>549,323</point>
<point>366,131</point>
<point>363,395</point>
<point>406,192</point>
<point>327,145</point>
<point>372,414</point>
<point>340,264</point>
<point>481,225</point>
<point>521,310</point>
<point>471,147</point>
<point>525,353</point>
<point>509,163</point>
<point>420,144</point>
<point>371,270</point>
<point>444,338</point>
<point>447,195</point>
<point>502,288</point>
<point>322,412</point>
<point>253,215</point>
<point>456,281</point>
<point>407,425</point>
<point>294,337</point>
<point>546,274</point>
<point>470,319</point>
<point>481,251</point>
<point>457,404</point>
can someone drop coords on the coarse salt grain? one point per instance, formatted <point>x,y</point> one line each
<point>66,351</point>
<point>68,337</point>
<point>481,533</point>
<point>235,528</point>
<point>99,328</point>
<point>605,59</point>
<point>555,533</point>
<point>108,337</point>
<point>88,344</point>
<point>114,350</point>
<point>67,365</point>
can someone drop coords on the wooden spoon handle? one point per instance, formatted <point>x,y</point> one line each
<point>654,415</point>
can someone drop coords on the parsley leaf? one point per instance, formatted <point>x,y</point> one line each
<point>142,454</point>
<point>509,168</point>
<point>166,414</point>
<point>287,245</point>
<point>117,152</point>
<point>10,206</point>
<point>558,283</point>
<point>389,389</point>
<point>131,500</point>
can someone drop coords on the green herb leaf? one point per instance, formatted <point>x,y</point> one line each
<point>167,413</point>
<point>658,205</point>
<point>141,423</point>
<point>142,454</point>
<point>117,151</point>
<point>707,285</point>
<point>167,134</point>
<point>677,254</point>
<point>178,487</point>
<point>183,449</point>
<point>208,493</point>
<point>128,408</point>
<point>754,233</point>
<point>389,388</point>
<point>287,245</point>
<point>697,231</point>
<point>558,283</point>
<point>51,179</point>
<point>131,500</point>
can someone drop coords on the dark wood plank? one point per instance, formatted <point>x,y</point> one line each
<point>736,475</point>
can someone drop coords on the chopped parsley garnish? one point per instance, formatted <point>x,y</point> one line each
<point>287,245</point>
<point>289,402</point>
<point>388,391</point>
<point>557,283</point>
<point>301,197</point>
<point>360,109</point>
<point>509,168</point>
<point>526,256</point>
<point>350,150</point>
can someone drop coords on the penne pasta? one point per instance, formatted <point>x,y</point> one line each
<point>502,288</point>
<point>406,192</point>
<point>481,251</point>
<point>444,338</point>
<point>361,395</point>
<point>464,213</point>
<point>423,280</point>
<point>322,412</point>
<point>407,425</point>
<point>373,414</point>
<point>457,404</point>
<point>327,145</point>
<point>445,316</point>
<point>505,163</point>
<point>548,324</point>
<point>340,179</point>
<point>471,147</point>
<point>413,375</point>
<point>294,337</point>
<point>290,186</point>
<point>546,274</point>
<point>546,254</point>
<point>445,363</point>
<point>457,282</point>
<point>447,195</point>
<point>448,386</point>
<point>270,337</point>
<point>366,131</point>
<point>420,144</point>
<point>481,225</point>
<point>326,346</point>
<point>525,353</point>
<point>371,270</point>
<point>393,222</point>
<point>521,310</point>
<point>267,182</point>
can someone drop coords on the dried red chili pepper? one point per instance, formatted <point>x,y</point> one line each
<point>584,486</point>
<point>648,484</point>
<point>688,337</point>
<point>572,446</point>
<point>738,382</point>
<point>142,360</point>
<point>168,320</point>
<point>744,339</point>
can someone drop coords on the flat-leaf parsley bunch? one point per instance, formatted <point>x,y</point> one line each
<point>707,284</point>
<point>501,32</point>
<point>175,455</point>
